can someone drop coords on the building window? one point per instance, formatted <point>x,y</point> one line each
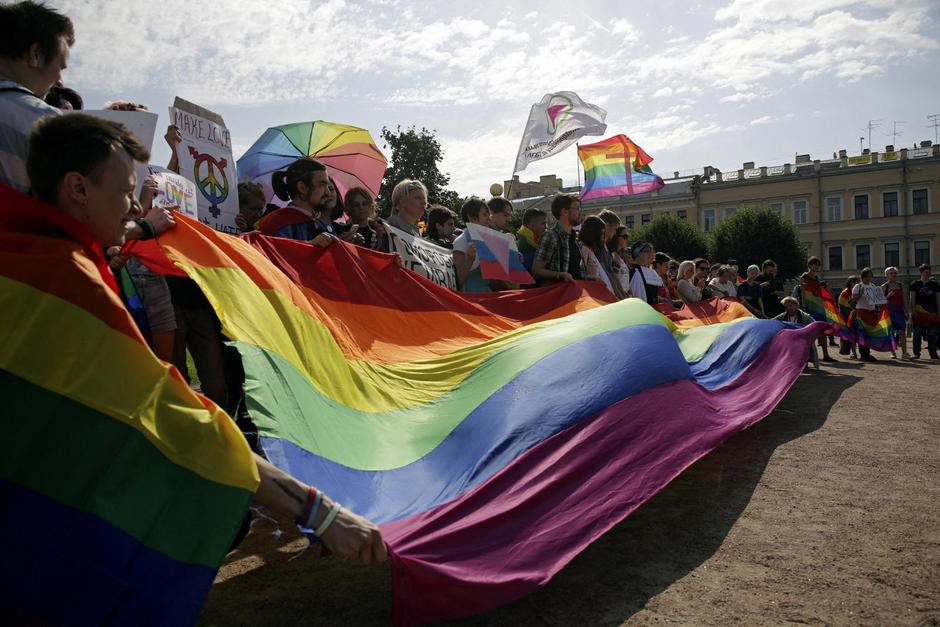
<point>682,214</point>
<point>629,221</point>
<point>729,211</point>
<point>892,254</point>
<point>863,256</point>
<point>708,219</point>
<point>646,218</point>
<point>777,207</point>
<point>835,257</point>
<point>800,212</point>
<point>919,201</point>
<point>861,207</point>
<point>834,209</point>
<point>889,203</point>
<point>921,253</point>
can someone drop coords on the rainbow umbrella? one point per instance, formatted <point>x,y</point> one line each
<point>348,152</point>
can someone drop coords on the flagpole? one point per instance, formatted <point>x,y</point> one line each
<point>577,156</point>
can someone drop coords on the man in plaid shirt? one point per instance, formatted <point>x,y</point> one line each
<point>558,257</point>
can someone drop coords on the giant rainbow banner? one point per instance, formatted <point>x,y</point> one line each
<point>466,426</point>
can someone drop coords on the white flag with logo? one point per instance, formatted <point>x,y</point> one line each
<point>556,122</point>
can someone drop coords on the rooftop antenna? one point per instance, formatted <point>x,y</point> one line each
<point>861,144</point>
<point>894,134</point>
<point>935,118</point>
<point>872,124</point>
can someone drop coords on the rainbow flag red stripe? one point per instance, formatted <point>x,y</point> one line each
<point>873,329</point>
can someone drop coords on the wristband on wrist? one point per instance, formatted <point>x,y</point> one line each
<point>311,506</point>
<point>330,517</point>
<point>147,228</point>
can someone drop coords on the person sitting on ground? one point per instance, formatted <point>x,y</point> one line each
<point>34,49</point>
<point>529,234</point>
<point>409,202</point>
<point>925,305</point>
<point>619,246</point>
<point>722,285</point>
<point>559,257</point>
<point>751,294</point>
<point>64,99</point>
<point>845,308</point>
<point>644,281</point>
<point>792,312</point>
<point>250,206</point>
<point>591,238</point>
<point>867,296</point>
<point>771,288</point>
<point>466,264</point>
<point>897,308</point>
<point>442,222</point>
<point>360,207</point>
<point>304,183</point>
<point>688,292</point>
<point>93,182</point>
<point>500,214</point>
<point>809,280</point>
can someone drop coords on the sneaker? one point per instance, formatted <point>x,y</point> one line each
<point>915,356</point>
<point>905,355</point>
<point>869,358</point>
<point>828,358</point>
<point>894,355</point>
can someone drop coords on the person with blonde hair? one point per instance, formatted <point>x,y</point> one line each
<point>688,293</point>
<point>409,202</point>
<point>897,309</point>
<point>722,285</point>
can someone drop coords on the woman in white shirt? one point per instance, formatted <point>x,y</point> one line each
<point>722,285</point>
<point>644,281</point>
<point>868,296</point>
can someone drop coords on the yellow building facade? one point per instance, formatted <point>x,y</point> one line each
<point>872,210</point>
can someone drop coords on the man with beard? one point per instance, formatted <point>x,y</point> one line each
<point>558,257</point>
<point>304,183</point>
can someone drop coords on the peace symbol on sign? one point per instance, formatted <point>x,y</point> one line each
<point>209,176</point>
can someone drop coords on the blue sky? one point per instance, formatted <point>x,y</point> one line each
<point>694,83</point>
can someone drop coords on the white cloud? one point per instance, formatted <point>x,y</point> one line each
<point>663,92</point>
<point>764,119</point>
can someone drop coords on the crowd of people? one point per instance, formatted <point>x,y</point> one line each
<point>84,166</point>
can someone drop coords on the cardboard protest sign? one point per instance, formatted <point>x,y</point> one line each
<point>174,190</point>
<point>423,258</point>
<point>205,158</point>
<point>141,124</point>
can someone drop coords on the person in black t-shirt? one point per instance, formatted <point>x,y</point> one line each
<point>771,289</point>
<point>363,228</point>
<point>925,305</point>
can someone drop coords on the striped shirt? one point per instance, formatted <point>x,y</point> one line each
<point>20,109</point>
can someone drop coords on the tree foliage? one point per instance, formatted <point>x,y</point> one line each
<point>415,154</point>
<point>678,238</point>
<point>754,234</point>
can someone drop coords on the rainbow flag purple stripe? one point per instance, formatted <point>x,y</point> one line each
<point>616,167</point>
<point>874,330</point>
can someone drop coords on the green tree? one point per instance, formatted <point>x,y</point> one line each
<point>415,154</point>
<point>752,235</point>
<point>678,238</point>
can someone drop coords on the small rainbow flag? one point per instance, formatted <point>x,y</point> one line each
<point>821,305</point>
<point>924,318</point>
<point>616,167</point>
<point>874,330</point>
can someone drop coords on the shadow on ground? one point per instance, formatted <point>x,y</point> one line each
<point>660,543</point>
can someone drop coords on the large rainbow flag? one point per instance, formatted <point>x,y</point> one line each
<point>493,436</point>
<point>616,167</point>
<point>822,306</point>
<point>873,329</point>
<point>122,489</point>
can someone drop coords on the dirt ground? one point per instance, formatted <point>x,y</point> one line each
<point>825,512</point>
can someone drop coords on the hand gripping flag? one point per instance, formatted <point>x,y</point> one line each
<point>616,167</point>
<point>555,122</point>
<point>499,257</point>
